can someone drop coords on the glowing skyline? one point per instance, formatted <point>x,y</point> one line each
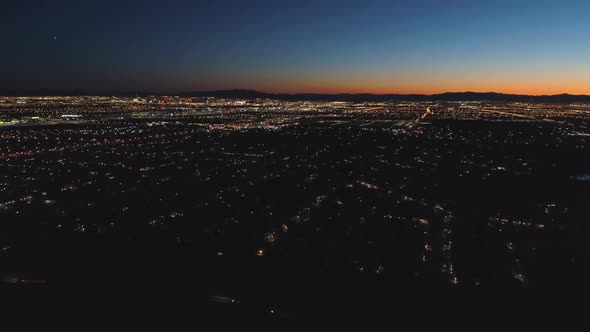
<point>376,46</point>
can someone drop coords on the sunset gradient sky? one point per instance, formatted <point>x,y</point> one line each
<point>375,46</point>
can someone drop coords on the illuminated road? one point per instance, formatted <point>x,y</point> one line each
<point>428,111</point>
<point>422,117</point>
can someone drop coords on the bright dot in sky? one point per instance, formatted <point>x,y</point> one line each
<point>54,37</point>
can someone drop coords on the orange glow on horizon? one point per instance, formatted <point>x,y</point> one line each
<point>506,80</point>
<point>583,88</point>
<point>432,91</point>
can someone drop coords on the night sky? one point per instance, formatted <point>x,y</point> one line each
<point>377,46</point>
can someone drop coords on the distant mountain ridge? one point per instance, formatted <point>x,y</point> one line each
<point>448,96</point>
<point>357,97</point>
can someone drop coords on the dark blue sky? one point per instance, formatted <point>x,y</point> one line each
<point>423,46</point>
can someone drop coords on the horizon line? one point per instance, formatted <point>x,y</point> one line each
<point>89,92</point>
